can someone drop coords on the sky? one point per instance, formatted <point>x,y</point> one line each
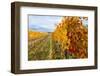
<point>84,21</point>
<point>43,23</point>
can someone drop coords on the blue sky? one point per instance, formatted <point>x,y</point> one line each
<point>84,21</point>
<point>43,23</point>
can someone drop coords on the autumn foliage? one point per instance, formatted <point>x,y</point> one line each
<point>68,41</point>
<point>35,35</point>
<point>72,37</point>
